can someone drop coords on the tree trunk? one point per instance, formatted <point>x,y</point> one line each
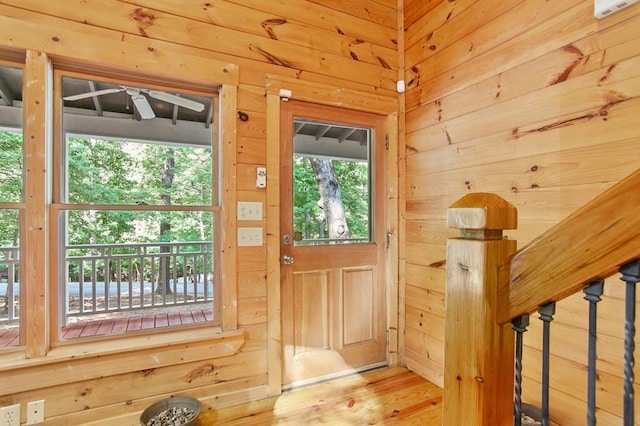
<point>166,180</point>
<point>330,197</point>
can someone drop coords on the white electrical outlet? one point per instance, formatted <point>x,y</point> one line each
<point>35,412</point>
<point>249,210</point>
<point>10,415</point>
<point>249,237</point>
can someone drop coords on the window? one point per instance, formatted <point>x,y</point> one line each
<point>11,207</point>
<point>137,206</point>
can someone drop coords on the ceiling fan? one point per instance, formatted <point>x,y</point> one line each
<point>140,101</point>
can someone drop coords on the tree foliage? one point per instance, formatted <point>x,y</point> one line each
<point>309,216</point>
<point>128,173</point>
<point>10,185</point>
<point>112,172</point>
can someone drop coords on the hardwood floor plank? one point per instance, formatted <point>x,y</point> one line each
<point>186,317</point>
<point>120,325</point>
<point>72,330</point>
<point>134,323</point>
<point>106,326</point>
<point>198,316</point>
<point>8,337</point>
<point>379,397</point>
<point>162,320</point>
<point>174,318</point>
<point>148,321</point>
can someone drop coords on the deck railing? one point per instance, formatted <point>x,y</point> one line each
<point>9,283</point>
<point>105,278</point>
<point>491,289</point>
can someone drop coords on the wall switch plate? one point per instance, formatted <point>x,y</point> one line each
<point>249,237</point>
<point>35,412</point>
<point>249,210</point>
<point>10,415</point>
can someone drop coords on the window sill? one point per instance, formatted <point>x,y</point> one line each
<point>85,361</point>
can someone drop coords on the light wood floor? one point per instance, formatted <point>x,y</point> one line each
<point>386,396</point>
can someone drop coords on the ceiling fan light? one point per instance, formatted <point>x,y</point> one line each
<point>142,105</point>
<point>176,100</point>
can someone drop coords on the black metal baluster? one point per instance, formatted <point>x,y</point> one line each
<point>546,315</point>
<point>519,325</point>
<point>592,294</point>
<point>630,275</point>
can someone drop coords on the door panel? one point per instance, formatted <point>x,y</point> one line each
<point>311,308</point>
<point>333,288</point>
<point>358,300</point>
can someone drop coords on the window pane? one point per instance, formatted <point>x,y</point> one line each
<point>9,277</point>
<point>10,166</point>
<point>136,145</point>
<point>11,184</point>
<point>126,268</point>
<point>113,172</point>
<point>331,184</point>
<point>133,263</point>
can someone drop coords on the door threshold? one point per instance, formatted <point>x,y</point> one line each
<point>329,377</point>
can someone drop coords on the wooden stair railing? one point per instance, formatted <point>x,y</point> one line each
<point>593,242</point>
<point>492,288</point>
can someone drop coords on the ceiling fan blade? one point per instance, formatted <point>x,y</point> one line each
<point>176,100</point>
<point>142,105</point>
<point>92,94</point>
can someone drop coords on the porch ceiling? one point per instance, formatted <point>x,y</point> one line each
<point>113,115</point>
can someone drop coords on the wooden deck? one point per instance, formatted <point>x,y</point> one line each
<point>106,326</point>
<point>386,396</point>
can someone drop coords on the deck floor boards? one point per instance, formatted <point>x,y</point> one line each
<point>106,326</point>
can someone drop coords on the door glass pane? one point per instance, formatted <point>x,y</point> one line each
<point>331,183</point>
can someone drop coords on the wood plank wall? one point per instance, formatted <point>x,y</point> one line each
<point>341,44</point>
<point>538,102</point>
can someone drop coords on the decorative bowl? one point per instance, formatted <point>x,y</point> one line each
<point>176,410</point>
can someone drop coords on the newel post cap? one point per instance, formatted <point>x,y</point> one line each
<point>482,211</point>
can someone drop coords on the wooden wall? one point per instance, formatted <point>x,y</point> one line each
<point>538,102</point>
<point>338,44</point>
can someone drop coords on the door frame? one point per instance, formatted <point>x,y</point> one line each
<point>280,89</point>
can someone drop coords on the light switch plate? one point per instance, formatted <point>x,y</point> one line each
<point>249,237</point>
<point>248,210</point>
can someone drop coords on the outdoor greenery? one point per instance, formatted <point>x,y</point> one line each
<point>129,173</point>
<point>308,215</point>
<point>109,172</point>
<point>105,172</point>
<point>10,185</point>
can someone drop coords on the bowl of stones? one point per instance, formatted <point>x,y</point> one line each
<point>174,411</point>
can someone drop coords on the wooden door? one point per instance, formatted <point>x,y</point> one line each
<point>333,289</point>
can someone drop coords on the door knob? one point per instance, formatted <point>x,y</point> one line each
<point>287,260</point>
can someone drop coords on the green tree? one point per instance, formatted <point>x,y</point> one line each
<point>98,172</point>
<point>309,211</point>
<point>112,172</point>
<point>11,160</point>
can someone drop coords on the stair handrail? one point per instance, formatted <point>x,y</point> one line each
<point>593,242</point>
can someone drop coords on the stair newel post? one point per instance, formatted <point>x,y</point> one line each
<point>479,353</point>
